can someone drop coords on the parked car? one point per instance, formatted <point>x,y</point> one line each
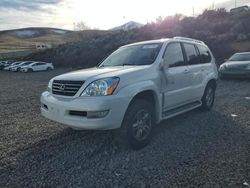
<point>134,88</point>
<point>11,65</point>
<point>237,66</point>
<point>20,65</point>
<point>37,66</point>
<point>4,64</point>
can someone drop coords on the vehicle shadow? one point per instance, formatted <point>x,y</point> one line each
<point>186,147</point>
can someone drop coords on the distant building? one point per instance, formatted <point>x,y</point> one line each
<point>43,46</point>
<point>239,10</point>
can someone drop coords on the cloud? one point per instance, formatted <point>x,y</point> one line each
<point>228,4</point>
<point>33,13</point>
<point>32,5</point>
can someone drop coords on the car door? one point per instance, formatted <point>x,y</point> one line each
<point>198,68</point>
<point>35,67</point>
<point>175,76</point>
<point>40,66</point>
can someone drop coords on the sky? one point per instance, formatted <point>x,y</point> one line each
<point>101,14</point>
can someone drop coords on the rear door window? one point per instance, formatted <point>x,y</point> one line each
<point>205,56</point>
<point>191,54</point>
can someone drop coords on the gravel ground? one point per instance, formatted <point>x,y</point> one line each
<point>196,149</point>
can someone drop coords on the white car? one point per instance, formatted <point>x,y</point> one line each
<point>17,67</point>
<point>37,66</point>
<point>8,68</point>
<point>135,88</point>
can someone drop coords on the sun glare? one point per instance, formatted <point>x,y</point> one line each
<point>106,14</point>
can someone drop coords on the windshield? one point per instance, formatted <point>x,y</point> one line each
<point>240,57</point>
<point>143,54</point>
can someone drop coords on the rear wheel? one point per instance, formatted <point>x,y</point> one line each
<point>138,124</point>
<point>208,97</point>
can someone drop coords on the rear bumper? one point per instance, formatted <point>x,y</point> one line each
<point>58,110</point>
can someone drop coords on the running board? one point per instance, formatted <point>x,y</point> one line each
<point>179,110</point>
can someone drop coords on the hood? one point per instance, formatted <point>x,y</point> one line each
<point>236,63</point>
<point>232,65</point>
<point>99,72</point>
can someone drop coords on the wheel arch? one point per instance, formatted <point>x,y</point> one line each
<point>149,95</point>
<point>213,82</point>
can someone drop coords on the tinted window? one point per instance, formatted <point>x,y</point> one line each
<point>205,56</point>
<point>40,63</point>
<point>191,52</point>
<point>173,55</point>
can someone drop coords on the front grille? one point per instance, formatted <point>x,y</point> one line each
<point>65,87</point>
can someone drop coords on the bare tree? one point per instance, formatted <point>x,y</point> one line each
<point>80,26</point>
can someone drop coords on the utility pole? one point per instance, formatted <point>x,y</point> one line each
<point>193,11</point>
<point>235,3</point>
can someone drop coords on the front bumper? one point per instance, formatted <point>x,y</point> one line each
<point>234,74</point>
<point>58,109</point>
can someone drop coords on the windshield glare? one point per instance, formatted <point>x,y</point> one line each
<point>143,54</point>
<point>240,57</point>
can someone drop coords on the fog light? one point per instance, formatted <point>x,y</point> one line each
<point>97,114</point>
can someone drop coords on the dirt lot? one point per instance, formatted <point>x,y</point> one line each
<point>196,149</point>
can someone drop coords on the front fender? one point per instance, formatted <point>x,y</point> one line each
<point>134,89</point>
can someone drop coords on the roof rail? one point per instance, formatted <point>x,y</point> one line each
<point>189,39</point>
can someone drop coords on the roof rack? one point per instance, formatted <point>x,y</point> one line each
<point>189,39</point>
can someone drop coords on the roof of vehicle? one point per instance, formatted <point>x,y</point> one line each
<point>148,42</point>
<point>179,39</point>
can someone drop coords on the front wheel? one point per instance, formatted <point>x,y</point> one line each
<point>138,123</point>
<point>208,97</point>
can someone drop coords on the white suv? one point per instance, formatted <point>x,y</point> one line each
<point>134,88</point>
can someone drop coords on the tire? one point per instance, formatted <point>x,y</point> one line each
<point>138,124</point>
<point>208,97</point>
<point>30,70</point>
<point>48,69</point>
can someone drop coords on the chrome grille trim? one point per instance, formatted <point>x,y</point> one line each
<point>66,87</point>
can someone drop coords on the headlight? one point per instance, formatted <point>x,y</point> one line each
<point>102,87</point>
<point>222,67</point>
<point>50,86</point>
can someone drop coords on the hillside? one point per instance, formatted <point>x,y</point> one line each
<point>20,42</point>
<point>26,39</point>
<point>128,26</point>
<point>223,32</point>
